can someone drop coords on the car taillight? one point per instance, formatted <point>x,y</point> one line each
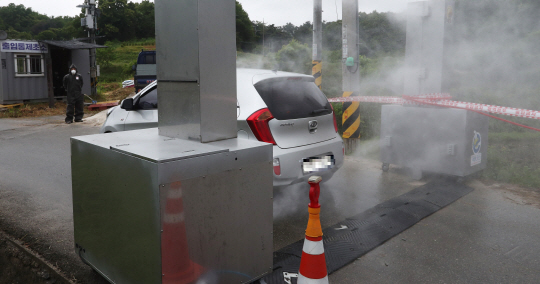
<point>334,116</point>
<point>258,122</point>
<point>277,166</point>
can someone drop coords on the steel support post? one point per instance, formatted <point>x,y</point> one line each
<point>317,42</point>
<point>351,73</point>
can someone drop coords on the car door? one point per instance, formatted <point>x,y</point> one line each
<point>145,111</point>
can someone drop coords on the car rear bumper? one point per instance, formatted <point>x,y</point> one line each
<point>291,161</point>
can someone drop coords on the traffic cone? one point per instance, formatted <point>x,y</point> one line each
<point>313,262</point>
<point>176,266</point>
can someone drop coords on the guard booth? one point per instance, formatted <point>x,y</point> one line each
<point>24,75</point>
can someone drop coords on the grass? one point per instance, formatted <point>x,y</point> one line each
<point>117,60</point>
<point>113,92</point>
<point>514,157</point>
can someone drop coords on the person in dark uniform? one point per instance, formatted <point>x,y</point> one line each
<point>73,83</point>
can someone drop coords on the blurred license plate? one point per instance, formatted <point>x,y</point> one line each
<point>317,164</point>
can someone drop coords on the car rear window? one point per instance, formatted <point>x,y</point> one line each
<point>293,98</point>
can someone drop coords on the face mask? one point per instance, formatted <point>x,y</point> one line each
<point>73,72</point>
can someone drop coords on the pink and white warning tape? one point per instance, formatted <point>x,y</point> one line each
<point>391,100</point>
<point>443,100</point>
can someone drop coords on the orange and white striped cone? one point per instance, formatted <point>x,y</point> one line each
<point>176,266</point>
<point>313,263</point>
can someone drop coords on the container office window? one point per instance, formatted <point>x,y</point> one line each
<point>29,65</point>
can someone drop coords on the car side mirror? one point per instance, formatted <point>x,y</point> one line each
<point>134,68</point>
<point>127,104</point>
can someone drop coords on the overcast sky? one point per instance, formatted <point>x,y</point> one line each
<point>277,12</point>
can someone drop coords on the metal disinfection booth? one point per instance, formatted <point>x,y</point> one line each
<point>150,208</point>
<point>439,140</point>
<point>425,138</point>
<point>187,202</point>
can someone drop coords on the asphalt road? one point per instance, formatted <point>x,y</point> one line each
<point>35,189</point>
<point>488,236</point>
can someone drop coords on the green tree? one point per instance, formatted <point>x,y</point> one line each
<point>105,56</point>
<point>145,14</point>
<point>12,33</point>
<point>244,30</point>
<point>74,27</point>
<point>332,35</point>
<point>117,20</point>
<point>304,33</point>
<point>47,35</point>
<point>295,57</point>
<point>19,17</point>
<point>378,35</point>
<point>276,37</point>
<point>23,23</point>
<point>289,29</point>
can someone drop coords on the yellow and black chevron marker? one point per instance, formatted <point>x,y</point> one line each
<point>351,118</point>
<point>316,71</point>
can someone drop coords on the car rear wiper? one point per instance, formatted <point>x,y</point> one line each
<point>319,111</point>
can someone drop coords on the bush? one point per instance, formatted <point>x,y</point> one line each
<point>128,69</point>
<point>46,35</point>
<point>105,56</point>
<point>295,57</point>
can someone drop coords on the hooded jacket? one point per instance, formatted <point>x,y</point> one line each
<point>73,83</point>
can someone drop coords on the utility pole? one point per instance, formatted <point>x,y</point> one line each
<point>316,70</point>
<point>350,67</point>
<point>90,22</point>
<point>351,73</point>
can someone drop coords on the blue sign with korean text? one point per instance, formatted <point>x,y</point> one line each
<point>23,46</point>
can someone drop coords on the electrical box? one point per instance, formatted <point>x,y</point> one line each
<point>153,209</point>
<point>90,21</point>
<point>440,140</point>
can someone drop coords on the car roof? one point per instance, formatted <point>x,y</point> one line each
<point>256,75</point>
<point>247,96</point>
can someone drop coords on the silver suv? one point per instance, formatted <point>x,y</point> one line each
<point>285,109</point>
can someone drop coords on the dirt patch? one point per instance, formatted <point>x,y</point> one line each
<point>516,194</point>
<point>108,87</point>
<point>39,110</point>
<point>19,265</point>
<point>18,248</point>
<point>118,94</point>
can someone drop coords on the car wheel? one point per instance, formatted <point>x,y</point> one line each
<point>385,167</point>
